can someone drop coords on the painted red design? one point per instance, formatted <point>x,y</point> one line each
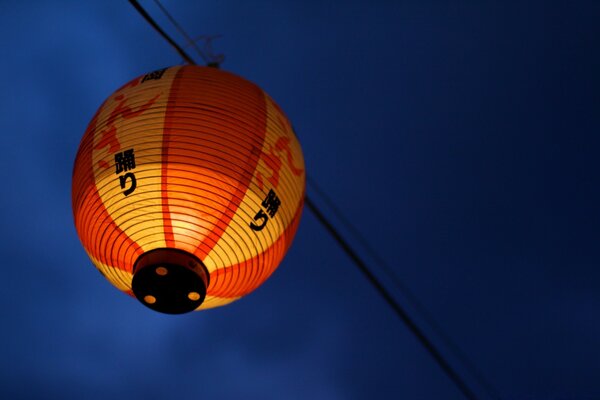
<point>274,160</point>
<point>109,134</point>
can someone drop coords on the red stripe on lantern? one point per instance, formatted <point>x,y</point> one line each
<point>167,223</point>
<point>222,144</point>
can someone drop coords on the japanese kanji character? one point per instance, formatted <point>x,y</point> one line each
<point>155,75</point>
<point>124,161</point>
<point>271,203</point>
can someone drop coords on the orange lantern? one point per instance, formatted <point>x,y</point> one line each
<point>188,188</point>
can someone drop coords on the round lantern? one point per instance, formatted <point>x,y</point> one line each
<point>188,188</point>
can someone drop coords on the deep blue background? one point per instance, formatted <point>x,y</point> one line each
<point>461,138</point>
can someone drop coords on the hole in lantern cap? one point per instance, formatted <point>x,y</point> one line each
<point>193,296</point>
<point>150,299</point>
<point>176,277</point>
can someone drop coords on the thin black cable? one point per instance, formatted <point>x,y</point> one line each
<point>149,19</point>
<point>182,31</point>
<point>412,326</point>
<point>408,294</point>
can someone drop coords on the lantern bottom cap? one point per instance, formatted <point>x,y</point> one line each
<point>170,281</point>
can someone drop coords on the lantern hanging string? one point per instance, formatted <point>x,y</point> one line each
<point>362,266</point>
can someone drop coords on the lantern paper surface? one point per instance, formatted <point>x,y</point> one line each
<point>190,174</point>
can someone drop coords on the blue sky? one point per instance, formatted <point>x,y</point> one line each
<point>461,139</point>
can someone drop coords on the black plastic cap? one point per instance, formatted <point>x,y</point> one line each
<point>170,281</point>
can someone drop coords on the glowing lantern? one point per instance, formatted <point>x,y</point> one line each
<point>188,188</point>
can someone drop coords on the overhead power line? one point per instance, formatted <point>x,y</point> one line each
<point>400,312</point>
<point>406,292</point>
<point>181,31</point>
<point>149,19</point>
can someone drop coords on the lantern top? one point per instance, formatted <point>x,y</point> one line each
<point>170,281</point>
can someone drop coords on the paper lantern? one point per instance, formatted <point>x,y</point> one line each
<point>188,188</point>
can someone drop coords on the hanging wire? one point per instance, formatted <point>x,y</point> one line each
<point>209,59</point>
<point>149,19</point>
<point>362,266</point>
<point>400,312</point>
<point>406,292</point>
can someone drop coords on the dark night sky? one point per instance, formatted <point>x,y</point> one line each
<point>461,138</point>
